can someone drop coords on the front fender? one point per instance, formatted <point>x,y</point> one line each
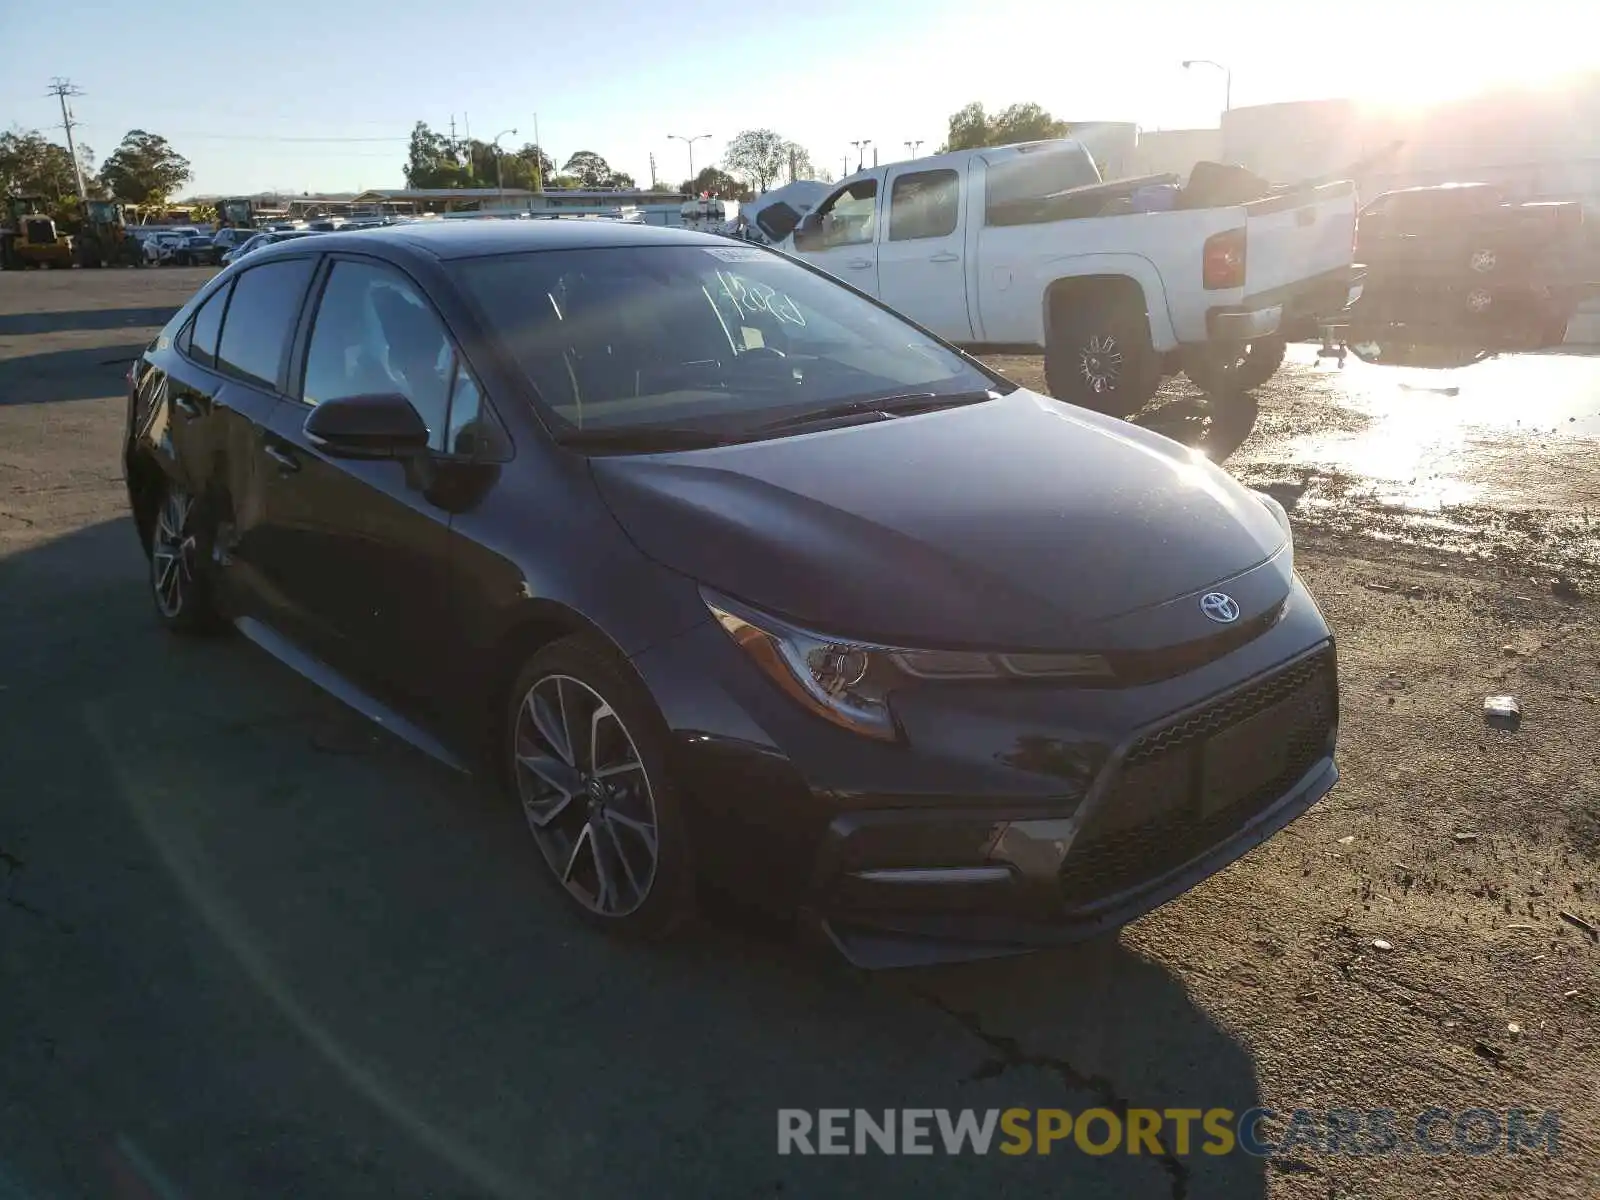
<point>1128,266</point>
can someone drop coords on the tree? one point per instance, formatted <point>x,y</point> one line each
<point>797,164</point>
<point>971,127</point>
<point>758,156</point>
<point>32,165</point>
<point>432,162</point>
<point>145,169</point>
<point>592,171</point>
<point>718,182</point>
<point>525,160</point>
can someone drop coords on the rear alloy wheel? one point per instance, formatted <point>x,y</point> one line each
<point>588,764</point>
<point>181,587</point>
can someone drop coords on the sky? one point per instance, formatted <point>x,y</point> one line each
<point>325,102</point>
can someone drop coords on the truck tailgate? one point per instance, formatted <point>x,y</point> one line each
<point>1299,235</point>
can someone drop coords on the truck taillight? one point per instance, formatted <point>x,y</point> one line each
<point>1223,262</point>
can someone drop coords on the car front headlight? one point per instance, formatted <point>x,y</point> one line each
<point>1281,516</point>
<point>848,682</point>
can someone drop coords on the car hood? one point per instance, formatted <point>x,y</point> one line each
<point>1020,522</point>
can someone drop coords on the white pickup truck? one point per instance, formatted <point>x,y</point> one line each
<point>1010,249</point>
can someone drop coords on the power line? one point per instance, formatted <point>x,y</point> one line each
<point>235,137</point>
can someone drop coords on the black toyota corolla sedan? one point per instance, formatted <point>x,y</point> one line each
<point>727,573</point>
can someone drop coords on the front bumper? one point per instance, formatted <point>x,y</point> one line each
<point>1146,832</point>
<point>1012,820</point>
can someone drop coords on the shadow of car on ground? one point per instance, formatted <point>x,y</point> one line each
<point>257,947</point>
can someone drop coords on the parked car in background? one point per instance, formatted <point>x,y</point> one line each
<point>772,216</point>
<point>264,238</point>
<point>1024,248</point>
<point>195,249</point>
<point>1464,265</point>
<point>657,530</point>
<point>161,245</point>
<point>230,239</point>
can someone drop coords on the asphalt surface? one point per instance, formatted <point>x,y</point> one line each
<point>250,947</point>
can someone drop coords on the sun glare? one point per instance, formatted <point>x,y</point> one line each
<point>1424,60</point>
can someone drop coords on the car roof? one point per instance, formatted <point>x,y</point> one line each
<point>473,239</point>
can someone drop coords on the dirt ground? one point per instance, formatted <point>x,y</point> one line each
<point>240,956</point>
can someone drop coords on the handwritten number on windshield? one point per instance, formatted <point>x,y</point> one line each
<point>751,297</point>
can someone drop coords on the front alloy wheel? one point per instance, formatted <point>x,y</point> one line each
<point>587,796</point>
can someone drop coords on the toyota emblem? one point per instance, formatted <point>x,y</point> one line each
<point>1220,607</point>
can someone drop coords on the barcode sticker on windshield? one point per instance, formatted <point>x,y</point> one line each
<point>736,253</point>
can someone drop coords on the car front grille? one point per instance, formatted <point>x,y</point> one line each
<point>1188,785</point>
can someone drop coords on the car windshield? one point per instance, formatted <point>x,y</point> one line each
<point>717,338</point>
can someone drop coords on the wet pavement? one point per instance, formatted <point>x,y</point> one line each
<point>1498,432</point>
<point>1499,461</point>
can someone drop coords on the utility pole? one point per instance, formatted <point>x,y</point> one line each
<point>538,158</point>
<point>846,166</point>
<point>455,147</point>
<point>652,170</point>
<point>61,89</point>
<point>874,158</point>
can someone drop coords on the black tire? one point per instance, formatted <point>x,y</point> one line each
<point>181,584</point>
<point>1220,371</point>
<point>593,841</point>
<point>1098,354</point>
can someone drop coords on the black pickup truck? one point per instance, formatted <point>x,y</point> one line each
<point>1462,265</point>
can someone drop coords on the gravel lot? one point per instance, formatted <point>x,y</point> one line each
<point>250,947</point>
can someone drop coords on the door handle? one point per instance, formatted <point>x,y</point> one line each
<point>945,257</point>
<point>186,406</point>
<point>287,461</point>
<point>859,264</point>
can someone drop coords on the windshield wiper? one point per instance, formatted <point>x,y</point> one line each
<point>899,405</point>
<point>642,438</point>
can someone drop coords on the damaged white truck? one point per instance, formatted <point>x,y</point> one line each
<point>1024,249</point>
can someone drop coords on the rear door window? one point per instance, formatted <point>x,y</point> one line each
<point>261,319</point>
<point>199,338</point>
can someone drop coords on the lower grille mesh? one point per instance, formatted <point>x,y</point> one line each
<point>1169,804</point>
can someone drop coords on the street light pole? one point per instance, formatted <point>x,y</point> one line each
<point>499,177</point>
<point>911,147</point>
<point>689,142</point>
<point>1227,75</point>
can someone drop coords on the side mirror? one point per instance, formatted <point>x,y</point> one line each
<point>374,426</point>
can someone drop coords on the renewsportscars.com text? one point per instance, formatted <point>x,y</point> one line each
<point>1260,1132</point>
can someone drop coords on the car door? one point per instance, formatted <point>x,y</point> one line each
<point>843,243</point>
<point>183,396</point>
<point>363,546</point>
<point>921,257</point>
<point>249,361</point>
